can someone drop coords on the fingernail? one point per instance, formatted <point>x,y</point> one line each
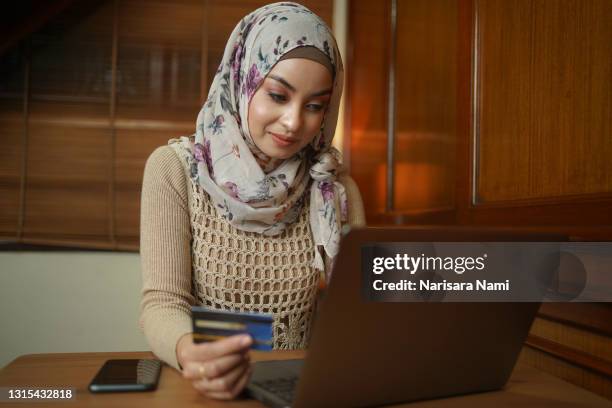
<point>246,340</point>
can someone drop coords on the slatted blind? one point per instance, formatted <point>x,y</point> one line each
<point>87,98</point>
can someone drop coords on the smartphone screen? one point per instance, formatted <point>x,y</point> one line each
<point>127,375</point>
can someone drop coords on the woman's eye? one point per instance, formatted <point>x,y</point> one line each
<point>277,97</point>
<point>314,107</point>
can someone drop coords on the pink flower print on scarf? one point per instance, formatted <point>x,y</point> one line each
<point>327,190</point>
<point>231,189</point>
<point>202,154</point>
<point>252,81</point>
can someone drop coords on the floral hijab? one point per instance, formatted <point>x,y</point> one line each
<point>227,161</point>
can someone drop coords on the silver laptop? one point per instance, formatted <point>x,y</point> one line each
<point>370,354</point>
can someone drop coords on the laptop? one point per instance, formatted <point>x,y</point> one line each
<point>373,353</point>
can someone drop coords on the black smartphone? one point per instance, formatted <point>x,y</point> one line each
<point>127,375</point>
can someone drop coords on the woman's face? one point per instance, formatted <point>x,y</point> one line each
<point>286,111</point>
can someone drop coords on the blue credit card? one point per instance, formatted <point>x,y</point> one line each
<point>213,324</point>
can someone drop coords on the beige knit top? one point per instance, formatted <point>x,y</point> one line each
<point>191,255</point>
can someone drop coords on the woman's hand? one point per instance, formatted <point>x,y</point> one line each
<point>218,369</point>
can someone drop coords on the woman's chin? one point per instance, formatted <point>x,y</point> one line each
<point>280,153</point>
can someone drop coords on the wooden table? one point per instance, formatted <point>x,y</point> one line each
<point>527,387</point>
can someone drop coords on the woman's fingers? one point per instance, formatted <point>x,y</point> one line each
<point>214,349</point>
<point>236,389</point>
<point>195,370</point>
<point>222,384</point>
<point>218,369</point>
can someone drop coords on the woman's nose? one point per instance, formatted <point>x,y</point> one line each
<point>292,118</point>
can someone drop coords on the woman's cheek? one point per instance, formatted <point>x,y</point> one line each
<point>261,114</point>
<point>254,117</point>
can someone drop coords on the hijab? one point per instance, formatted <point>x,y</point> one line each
<point>249,193</point>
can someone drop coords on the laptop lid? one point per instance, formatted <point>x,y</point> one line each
<point>369,353</point>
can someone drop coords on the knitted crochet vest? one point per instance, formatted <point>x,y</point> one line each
<point>246,271</point>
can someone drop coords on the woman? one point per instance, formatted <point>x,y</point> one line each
<point>246,214</point>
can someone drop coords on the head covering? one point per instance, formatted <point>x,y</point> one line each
<point>311,53</point>
<point>267,200</point>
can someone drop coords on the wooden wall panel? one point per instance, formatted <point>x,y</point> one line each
<point>161,23</point>
<point>580,216</point>
<point>12,127</point>
<point>11,156</point>
<point>426,126</point>
<point>67,184</point>
<point>366,87</point>
<point>71,58</point>
<point>159,56</point>
<point>69,135</point>
<point>109,81</point>
<point>538,131</point>
<point>545,99</point>
<point>543,136</point>
<point>426,105</point>
<point>133,147</point>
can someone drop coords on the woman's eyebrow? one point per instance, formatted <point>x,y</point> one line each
<point>282,81</point>
<point>321,93</point>
<point>292,88</point>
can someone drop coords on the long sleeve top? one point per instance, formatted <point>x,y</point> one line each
<point>190,255</point>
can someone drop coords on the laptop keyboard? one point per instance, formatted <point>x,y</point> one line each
<point>282,387</point>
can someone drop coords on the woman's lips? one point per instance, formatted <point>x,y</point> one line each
<point>281,141</point>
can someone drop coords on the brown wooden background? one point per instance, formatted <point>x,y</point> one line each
<point>87,97</point>
<point>504,113</point>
